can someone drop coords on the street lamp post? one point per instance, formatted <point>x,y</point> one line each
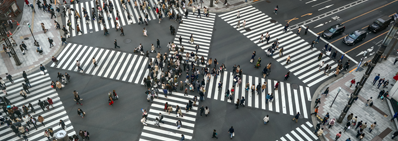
<point>371,66</point>
<point>7,42</point>
<point>31,32</point>
<point>335,97</point>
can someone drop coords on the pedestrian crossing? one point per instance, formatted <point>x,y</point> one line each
<point>301,133</point>
<point>288,98</point>
<point>304,60</point>
<point>168,130</point>
<point>112,64</point>
<point>201,30</point>
<point>125,11</point>
<point>128,14</point>
<point>40,90</point>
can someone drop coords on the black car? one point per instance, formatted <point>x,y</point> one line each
<point>333,31</point>
<point>355,37</point>
<point>380,24</point>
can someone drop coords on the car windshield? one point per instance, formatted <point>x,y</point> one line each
<point>332,30</point>
<point>378,22</point>
<point>354,35</point>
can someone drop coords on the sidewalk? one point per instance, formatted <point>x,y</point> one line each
<point>379,112</point>
<point>32,59</point>
<point>220,7</point>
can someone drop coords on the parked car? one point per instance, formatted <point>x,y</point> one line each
<point>333,31</point>
<point>355,37</point>
<point>380,24</point>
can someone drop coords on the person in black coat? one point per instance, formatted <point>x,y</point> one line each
<point>25,88</point>
<point>41,104</point>
<point>80,112</point>
<point>61,122</point>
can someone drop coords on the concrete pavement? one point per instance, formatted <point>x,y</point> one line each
<point>379,112</point>
<point>31,60</point>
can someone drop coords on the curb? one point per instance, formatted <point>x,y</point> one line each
<point>33,67</point>
<point>318,91</point>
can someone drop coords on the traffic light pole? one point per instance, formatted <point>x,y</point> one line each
<point>371,66</point>
<point>7,42</point>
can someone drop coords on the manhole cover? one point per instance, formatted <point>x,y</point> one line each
<point>268,1</point>
<point>26,38</point>
<point>248,29</point>
<point>127,41</point>
<point>272,21</point>
<point>294,86</point>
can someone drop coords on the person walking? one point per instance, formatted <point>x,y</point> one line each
<point>161,118</point>
<point>43,69</point>
<point>288,60</point>
<point>80,112</point>
<point>179,124</point>
<point>143,121</point>
<point>41,120</point>
<point>144,31</point>
<point>296,117</point>
<point>320,132</point>
<point>298,31</point>
<point>276,10</point>
<point>394,134</point>
<point>23,94</point>
<point>306,30</point>
<point>332,122</point>
<point>94,62</point>
<point>375,79</point>
<point>207,111</point>
<point>202,110</point>
<point>338,135</point>
<point>33,121</point>
<point>326,92</point>
<point>122,31</point>
<point>349,117</point>
<point>266,119</point>
<point>315,111</point>
<point>286,27</point>
<point>231,131</point>
<point>347,126</point>
<point>214,134</point>
<point>115,43</point>
<point>25,88</point>
<point>157,122</point>
<point>106,31</point>
<point>287,75</point>
<point>372,126</point>
<point>47,134</point>
<point>27,82</point>
<point>369,102</point>
<point>78,65</point>
<point>9,77</point>
<point>62,124</point>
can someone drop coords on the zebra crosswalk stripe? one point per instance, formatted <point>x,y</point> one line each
<point>301,132</point>
<point>38,91</point>
<point>110,64</point>
<point>283,97</point>
<point>288,98</point>
<point>168,129</point>
<point>201,29</point>
<point>302,59</point>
